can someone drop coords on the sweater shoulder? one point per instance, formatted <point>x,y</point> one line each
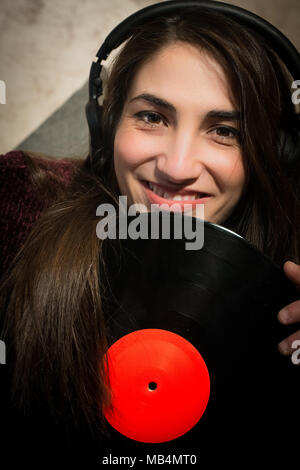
<point>15,163</point>
<point>14,182</point>
<point>14,158</point>
<point>20,204</point>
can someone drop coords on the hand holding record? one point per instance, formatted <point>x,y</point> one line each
<point>291,312</point>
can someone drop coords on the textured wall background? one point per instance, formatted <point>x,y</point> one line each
<point>46,49</point>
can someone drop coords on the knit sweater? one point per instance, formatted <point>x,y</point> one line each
<point>20,205</point>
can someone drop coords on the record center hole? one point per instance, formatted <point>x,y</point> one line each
<point>152,386</point>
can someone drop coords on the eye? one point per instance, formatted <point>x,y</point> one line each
<point>149,118</point>
<point>226,135</point>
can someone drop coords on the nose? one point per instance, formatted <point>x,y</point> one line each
<point>180,162</point>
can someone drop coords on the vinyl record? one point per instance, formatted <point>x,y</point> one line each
<point>223,299</point>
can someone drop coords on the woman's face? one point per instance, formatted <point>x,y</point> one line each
<point>178,131</point>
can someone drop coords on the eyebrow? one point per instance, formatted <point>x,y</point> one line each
<point>225,115</point>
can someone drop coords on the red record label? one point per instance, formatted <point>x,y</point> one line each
<point>160,385</point>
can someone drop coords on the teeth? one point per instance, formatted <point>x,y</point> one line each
<point>160,192</point>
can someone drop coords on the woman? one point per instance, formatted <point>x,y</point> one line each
<point>195,103</point>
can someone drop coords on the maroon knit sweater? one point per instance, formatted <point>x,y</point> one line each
<point>20,206</point>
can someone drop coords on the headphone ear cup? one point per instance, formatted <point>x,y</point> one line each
<point>99,159</point>
<point>94,118</point>
<point>289,147</point>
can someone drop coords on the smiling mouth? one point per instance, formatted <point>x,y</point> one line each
<point>173,196</point>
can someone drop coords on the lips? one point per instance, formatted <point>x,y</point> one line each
<point>172,192</point>
<point>156,199</point>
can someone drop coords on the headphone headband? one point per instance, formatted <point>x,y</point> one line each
<point>278,42</point>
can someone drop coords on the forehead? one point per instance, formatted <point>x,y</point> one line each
<point>181,71</point>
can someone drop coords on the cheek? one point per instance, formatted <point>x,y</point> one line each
<point>130,147</point>
<point>234,174</point>
<point>240,175</point>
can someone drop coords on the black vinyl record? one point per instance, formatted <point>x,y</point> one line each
<point>224,299</point>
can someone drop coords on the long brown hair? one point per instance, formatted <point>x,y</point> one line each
<point>52,296</point>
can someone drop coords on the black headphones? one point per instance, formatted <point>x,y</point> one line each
<point>289,141</point>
